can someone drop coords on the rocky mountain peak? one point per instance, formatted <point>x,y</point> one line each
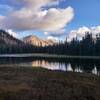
<point>34,40</point>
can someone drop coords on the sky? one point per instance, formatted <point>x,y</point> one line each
<point>51,19</point>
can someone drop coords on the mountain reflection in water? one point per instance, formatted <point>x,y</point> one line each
<point>49,65</point>
<point>81,66</point>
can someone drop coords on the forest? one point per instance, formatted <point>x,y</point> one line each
<point>88,46</point>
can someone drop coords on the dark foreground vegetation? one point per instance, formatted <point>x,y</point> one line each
<point>41,84</point>
<point>88,46</point>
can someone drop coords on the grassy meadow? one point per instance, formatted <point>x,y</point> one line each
<point>19,83</point>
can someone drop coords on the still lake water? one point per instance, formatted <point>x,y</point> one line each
<point>74,65</point>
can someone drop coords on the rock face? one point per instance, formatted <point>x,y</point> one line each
<point>37,41</point>
<point>7,39</point>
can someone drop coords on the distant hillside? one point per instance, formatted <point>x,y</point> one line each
<point>37,41</point>
<point>7,39</point>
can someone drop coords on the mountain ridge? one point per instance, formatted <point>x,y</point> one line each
<point>34,40</point>
<point>7,39</point>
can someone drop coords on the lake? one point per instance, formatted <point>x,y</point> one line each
<point>63,64</point>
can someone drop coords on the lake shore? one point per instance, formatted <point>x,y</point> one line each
<point>23,83</point>
<point>47,56</point>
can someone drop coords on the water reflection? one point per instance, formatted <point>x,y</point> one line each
<point>48,65</point>
<point>69,68</point>
<point>78,70</point>
<point>81,66</point>
<point>95,71</point>
<point>63,66</point>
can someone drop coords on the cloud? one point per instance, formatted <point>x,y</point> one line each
<point>30,15</point>
<point>33,3</point>
<point>11,32</point>
<point>80,32</point>
<point>2,18</point>
<point>57,33</point>
<point>53,38</point>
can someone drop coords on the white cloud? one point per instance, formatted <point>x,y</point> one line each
<point>30,16</point>
<point>33,4</point>
<point>79,33</point>
<point>11,32</point>
<point>46,33</point>
<point>53,38</point>
<point>57,33</point>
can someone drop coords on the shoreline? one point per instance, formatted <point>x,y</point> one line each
<point>47,56</point>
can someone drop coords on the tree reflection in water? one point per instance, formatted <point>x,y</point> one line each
<point>74,65</point>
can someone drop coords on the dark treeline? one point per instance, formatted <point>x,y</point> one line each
<point>88,46</point>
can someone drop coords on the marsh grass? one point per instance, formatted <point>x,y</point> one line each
<point>23,83</point>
